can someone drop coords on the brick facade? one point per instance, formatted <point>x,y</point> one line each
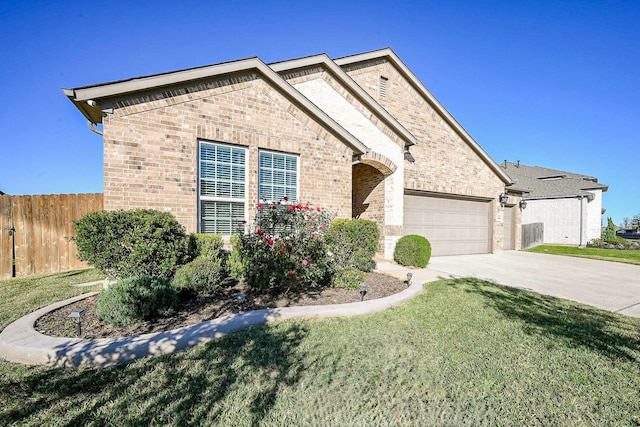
<point>444,162</point>
<point>368,195</point>
<point>350,150</point>
<point>150,147</point>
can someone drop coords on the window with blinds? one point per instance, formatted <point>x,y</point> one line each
<point>222,188</point>
<point>278,176</point>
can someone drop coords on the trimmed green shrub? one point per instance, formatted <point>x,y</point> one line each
<point>412,250</point>
<point>235,260</point>
<point>201,276</point>
<point>135,299</point>
<point>349,278</point>
<point>132,243</point>
<point>353,242</point>
<point>207,246</point>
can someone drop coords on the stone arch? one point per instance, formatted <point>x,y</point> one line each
<point>380,162</point>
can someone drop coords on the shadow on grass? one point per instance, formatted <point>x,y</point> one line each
<point>613,335</point>
<point>182,389</point>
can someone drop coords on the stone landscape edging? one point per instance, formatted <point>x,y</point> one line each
<point>21,343</point>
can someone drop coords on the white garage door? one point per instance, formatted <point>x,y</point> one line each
<point>453,226</point>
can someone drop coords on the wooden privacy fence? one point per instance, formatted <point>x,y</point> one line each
<point>35,231</point>
<point>532,234</point>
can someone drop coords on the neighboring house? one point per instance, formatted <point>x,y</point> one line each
<point>568,204</point>
<point>359,135</point>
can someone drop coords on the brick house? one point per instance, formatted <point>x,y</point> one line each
<point>568,204</point>
<point>359,135</point>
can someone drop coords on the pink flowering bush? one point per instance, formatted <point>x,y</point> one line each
<point>285,247</point>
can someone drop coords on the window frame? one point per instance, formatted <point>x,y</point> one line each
<point>201,198</point>
<point>297,172</point>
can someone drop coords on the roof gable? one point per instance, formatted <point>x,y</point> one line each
<point>88,99</point>
<point>411,78</point>
<point>348,83</point>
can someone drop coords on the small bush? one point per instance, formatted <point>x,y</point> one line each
<point>132,243</point>
<point>200,276</point>
<point>610,233</point>
<point>353,242</point>
<point>235,260</point>
<point>412,250</point>
<point>135,299</point>
<point>207,246</point>
<point>349,278</point>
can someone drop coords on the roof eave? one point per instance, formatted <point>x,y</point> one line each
<point>94,94</point>
<point>431,99</point>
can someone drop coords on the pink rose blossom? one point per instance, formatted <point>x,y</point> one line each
<point>305,262</point>
<point>285,198</point>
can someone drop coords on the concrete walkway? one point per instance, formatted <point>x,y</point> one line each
<point>607,285</point>
<point>21,343</point>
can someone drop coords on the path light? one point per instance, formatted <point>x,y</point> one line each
<point>363,290</point>
<point>77,315</point>
<point>240,296</point>
<point>409,276</point>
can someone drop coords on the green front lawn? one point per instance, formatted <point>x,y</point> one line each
<point>628,256</point>
<point>465,352</point>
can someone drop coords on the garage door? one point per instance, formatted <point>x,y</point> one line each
<point>453,226</point>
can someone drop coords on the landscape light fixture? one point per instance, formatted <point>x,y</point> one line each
<point>409,276</point>
<point>523,204</point>
<point>504,198</point>
<point>77,316</point>
<point>363,290</point>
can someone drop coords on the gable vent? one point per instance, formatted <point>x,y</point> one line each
<point>383,86</point>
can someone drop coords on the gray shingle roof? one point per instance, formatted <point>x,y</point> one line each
<point>542,182</point>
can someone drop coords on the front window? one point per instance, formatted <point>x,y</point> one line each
<point>222,188</point>
<point>278,176</point>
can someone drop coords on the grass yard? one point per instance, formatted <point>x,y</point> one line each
<point>465,352</point>
<point>629,256</point>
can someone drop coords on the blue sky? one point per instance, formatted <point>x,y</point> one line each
<point>549,83</point>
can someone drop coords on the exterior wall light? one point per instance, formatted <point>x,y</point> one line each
<point>77,315</point>
<point>407,155</point>
<point>504,198</point>
<point>363,290</point>
<point>523,204</point>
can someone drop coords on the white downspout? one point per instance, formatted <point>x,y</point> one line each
<point>582,243</point>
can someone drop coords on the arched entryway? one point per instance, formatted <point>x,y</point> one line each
<point>369,199</point>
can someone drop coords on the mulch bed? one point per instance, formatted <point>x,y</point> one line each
<point>199,309</point>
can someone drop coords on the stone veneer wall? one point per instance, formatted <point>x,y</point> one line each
<point>151,143</point>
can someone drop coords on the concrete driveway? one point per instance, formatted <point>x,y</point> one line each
<point>608,285</point>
